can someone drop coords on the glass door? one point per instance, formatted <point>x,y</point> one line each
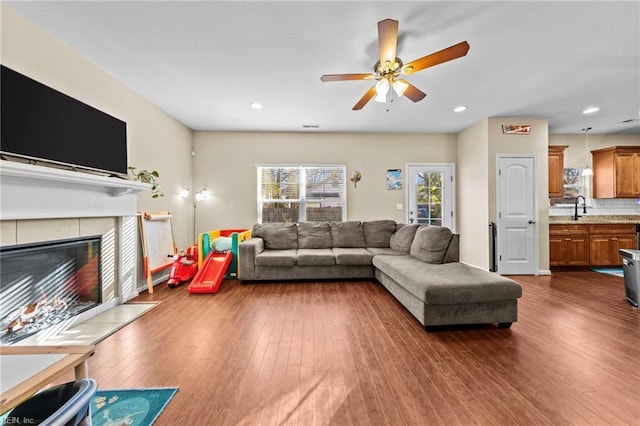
<point>430,194</point>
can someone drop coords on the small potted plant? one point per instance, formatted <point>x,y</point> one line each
<point>147,176</point>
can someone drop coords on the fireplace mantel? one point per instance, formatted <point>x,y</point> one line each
<point>36,192</point>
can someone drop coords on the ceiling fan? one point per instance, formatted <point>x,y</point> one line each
<point>389,68</point>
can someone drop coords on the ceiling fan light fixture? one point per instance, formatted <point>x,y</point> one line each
<point>382,88</point>
<point>399,87</point>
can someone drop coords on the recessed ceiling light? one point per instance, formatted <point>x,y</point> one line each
<point>591,110</point>
<point>256,105</point>
<point>460,108</point>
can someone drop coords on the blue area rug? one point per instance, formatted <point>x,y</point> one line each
<point>610,271</point>
<point>131,407</point>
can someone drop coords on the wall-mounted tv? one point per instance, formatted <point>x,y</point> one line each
<point>41,123</point>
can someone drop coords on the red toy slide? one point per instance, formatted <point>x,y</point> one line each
<point>210,275</point>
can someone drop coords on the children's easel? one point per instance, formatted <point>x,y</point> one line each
<point>158,248</point>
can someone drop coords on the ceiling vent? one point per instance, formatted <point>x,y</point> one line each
<point>630,120</point>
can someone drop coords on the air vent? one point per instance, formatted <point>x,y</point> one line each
<point>310,126</point>
<point>631,120</point>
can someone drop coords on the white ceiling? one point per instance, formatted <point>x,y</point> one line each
<point>205,62</point>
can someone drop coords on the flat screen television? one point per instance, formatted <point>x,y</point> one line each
<point>41,123</point>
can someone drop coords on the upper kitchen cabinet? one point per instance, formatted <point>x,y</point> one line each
<point>616,172</point>
<point>556,171</point>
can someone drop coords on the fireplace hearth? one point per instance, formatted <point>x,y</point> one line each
<point>46,283</point>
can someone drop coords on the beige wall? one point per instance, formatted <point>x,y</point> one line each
<point>155,140</point>
<point>536,144</point>
<point>472,173</point>
<point>225,163</point>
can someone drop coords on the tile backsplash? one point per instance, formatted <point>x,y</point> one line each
<point>602,207</point>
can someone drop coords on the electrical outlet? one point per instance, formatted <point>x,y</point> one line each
<point>399,206</point>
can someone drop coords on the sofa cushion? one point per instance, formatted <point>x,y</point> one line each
<point>352,256</point>
<point>276,258</point>
<point>314,235</point>
<point>277,236</point>
<point>449,283</point>
<point>347,234</point>
<point>403,237</point>
<point>430,243</point>
<point>384,250</point>
<point>315,257</point>
<point>377,233</point>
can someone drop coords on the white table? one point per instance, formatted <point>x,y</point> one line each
<point>26,369</point>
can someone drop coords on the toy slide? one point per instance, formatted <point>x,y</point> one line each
<point>206,239</point>
<point>211,273</point>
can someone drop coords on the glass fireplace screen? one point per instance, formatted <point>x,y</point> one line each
<point>46,283</point>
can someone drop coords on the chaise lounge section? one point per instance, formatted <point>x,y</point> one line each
<point>418,265</point>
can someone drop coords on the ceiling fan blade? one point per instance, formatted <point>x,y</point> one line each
<point>413,93</point>
<point>345,77</point>
<point>444,55</point>
<point>366,98</point>
<point>388,40</point>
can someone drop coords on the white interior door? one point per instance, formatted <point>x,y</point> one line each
<point>430,194</point>
<point>516,222</point>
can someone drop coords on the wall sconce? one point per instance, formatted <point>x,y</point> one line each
<point>202,194</point>
<point>184,193</point>
<point>355,178</point>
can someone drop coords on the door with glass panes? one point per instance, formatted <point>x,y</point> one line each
<point>430,194</point>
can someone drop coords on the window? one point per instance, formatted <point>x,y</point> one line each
<point>430,194</point>
<point>301,193</point>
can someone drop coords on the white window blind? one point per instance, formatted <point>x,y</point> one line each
<point>301,193</point>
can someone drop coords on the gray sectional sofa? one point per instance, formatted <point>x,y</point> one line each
<point>418,265</point>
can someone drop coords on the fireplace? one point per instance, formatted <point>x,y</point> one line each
<point>43,284</point>
<point>40,206</point>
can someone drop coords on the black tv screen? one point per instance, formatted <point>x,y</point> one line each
<point>41,123</point>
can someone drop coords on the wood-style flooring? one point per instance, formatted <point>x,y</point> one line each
<point>347,353</point>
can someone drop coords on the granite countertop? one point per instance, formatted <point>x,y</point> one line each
<point>586,219</point>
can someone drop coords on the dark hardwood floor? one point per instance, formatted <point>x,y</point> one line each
<point>347,353</point>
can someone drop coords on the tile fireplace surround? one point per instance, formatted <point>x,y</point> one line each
<point>44,203</point>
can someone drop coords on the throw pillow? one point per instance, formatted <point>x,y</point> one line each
<point>430,243</point>
<point>277,236</point>
<point>403,237</point>
<point>347,234</point>
<point>314,235</point>
<point>377,233</point>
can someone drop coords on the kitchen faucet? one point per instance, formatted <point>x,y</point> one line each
<point>584,207</point>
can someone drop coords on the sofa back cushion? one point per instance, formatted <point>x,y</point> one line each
<point>347,234</point>
<point>378,233</point>
<point>430,243</point>
<point>314,235</point>
<point>403,237</point>
<point>277,236</point>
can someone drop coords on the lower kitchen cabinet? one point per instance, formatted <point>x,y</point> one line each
<point>606,239</point>
<point>589,245</point>
<point>568,245</point>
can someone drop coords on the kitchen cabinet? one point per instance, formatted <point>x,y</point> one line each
<point>616,172</point>
<point>606,239</point>
<point>568,245</point>
<point>556,171</point>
